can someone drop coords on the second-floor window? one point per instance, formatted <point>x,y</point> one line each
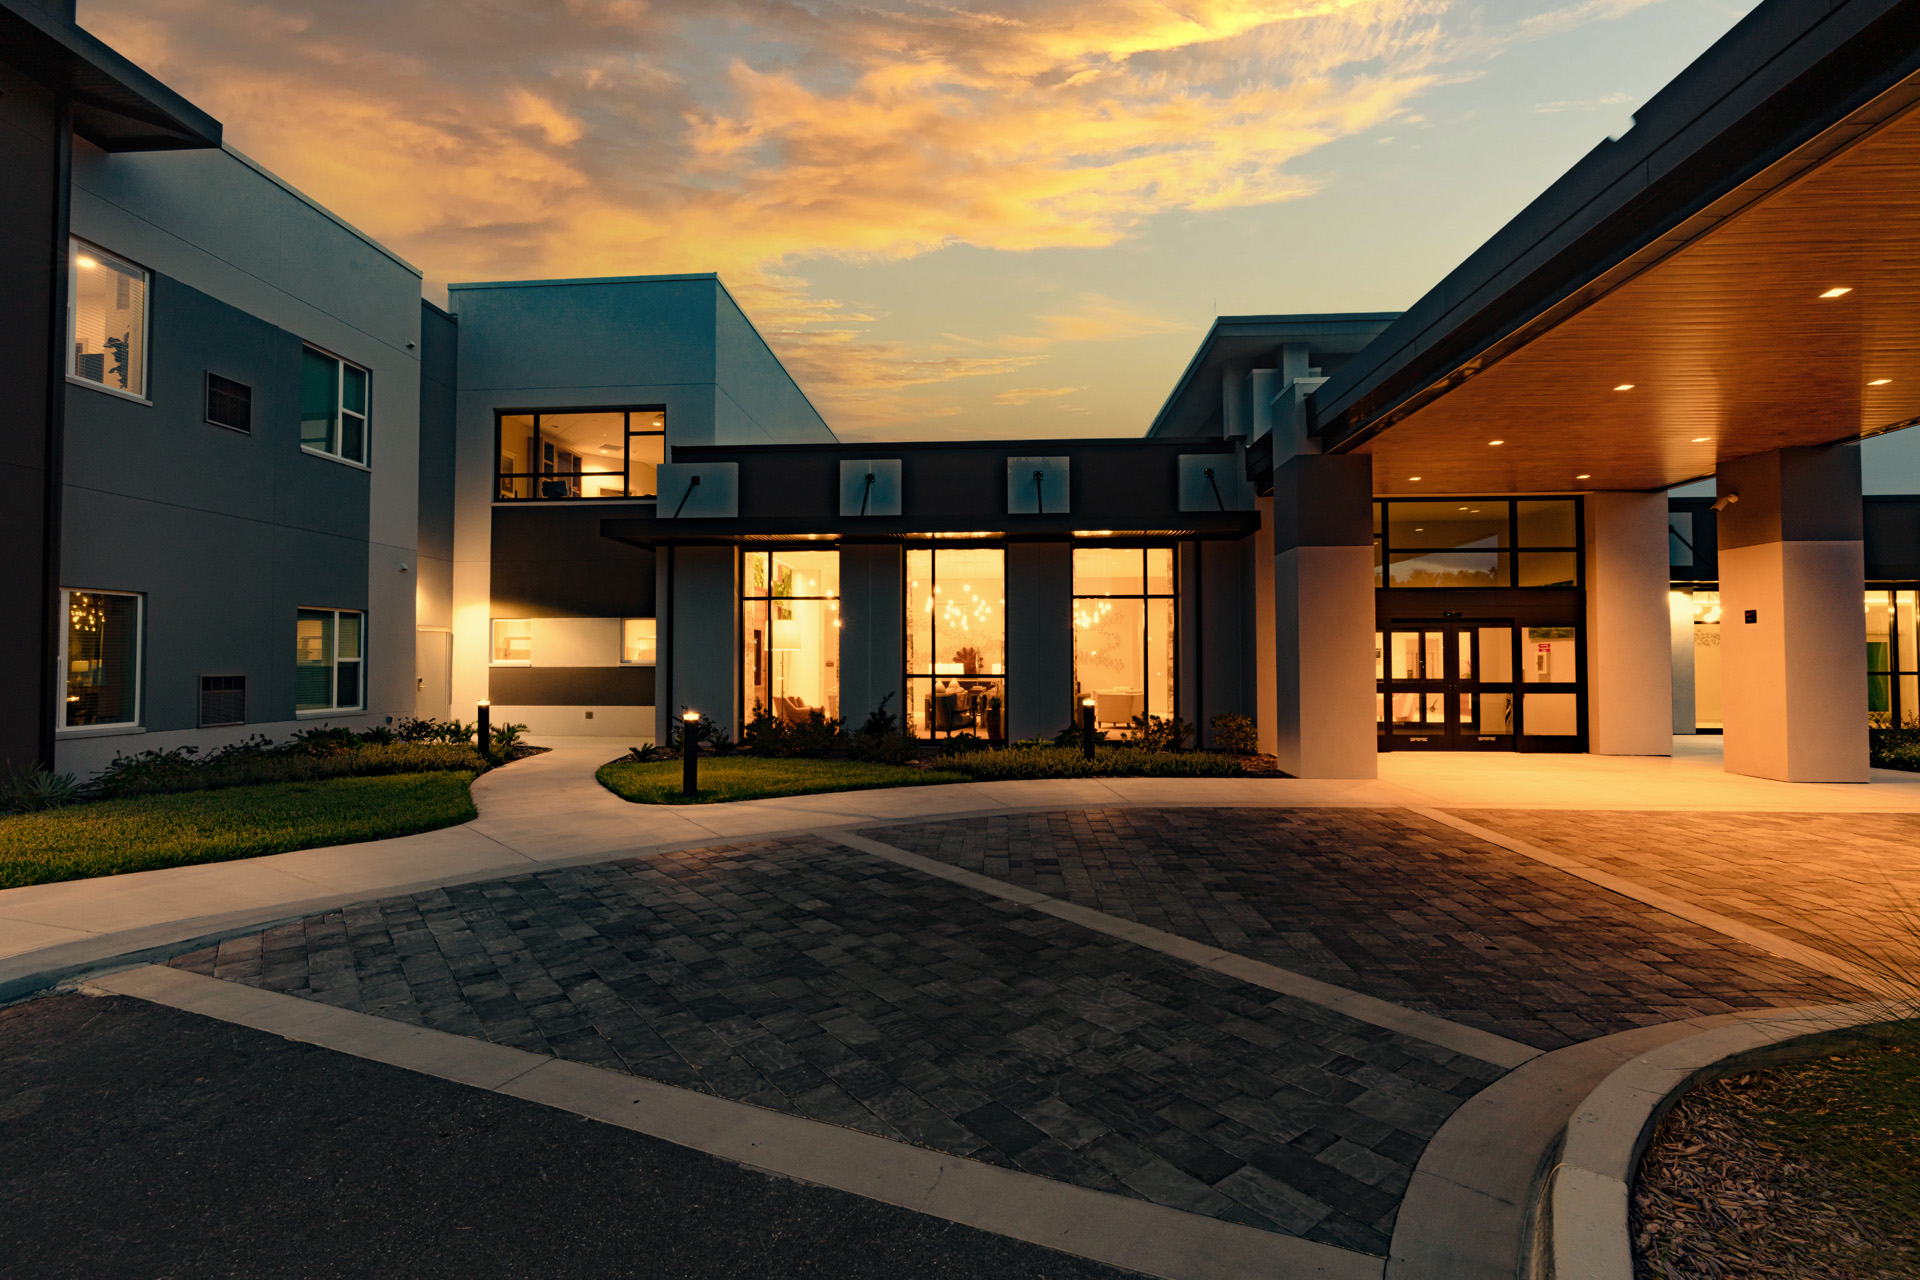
<point>603,453</point>
<point>106,320</point>
<point>333,406</point>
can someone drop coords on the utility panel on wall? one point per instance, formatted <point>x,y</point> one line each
<point>870,487</point>
<point>1037,487</point>
<point>698,490</point>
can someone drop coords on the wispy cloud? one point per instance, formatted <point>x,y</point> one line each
<point>1027,395</point>
<point>754,137</point>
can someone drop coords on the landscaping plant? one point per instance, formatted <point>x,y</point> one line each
<point>1236,734</point>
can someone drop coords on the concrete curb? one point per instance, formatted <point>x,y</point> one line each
<point>1582,1229</point>
<point>1120,1231</point>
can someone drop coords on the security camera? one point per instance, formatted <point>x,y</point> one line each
<point>1722,503</point>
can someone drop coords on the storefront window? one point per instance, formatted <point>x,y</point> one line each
<point>790,634</point>
<point>1893,659</point>
<point>1124,619</point>
<point>613,453</point>
<point>1477,542</point>
<point>956,606</point>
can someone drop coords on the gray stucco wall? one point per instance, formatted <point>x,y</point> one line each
<point>757,401</point>
<point>1039,638</point>
<point>230,533</point>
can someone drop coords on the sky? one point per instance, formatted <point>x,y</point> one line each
<point>1012,219</point>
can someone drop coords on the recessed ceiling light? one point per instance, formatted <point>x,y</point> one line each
<point>1463,508</point>
<point>1625,386</point>
<point>86,262</point>
<point>1413,477</point>
<point>1583,477</point>
<point>1880,382</point>
<point>1837,290</point>
<point>1496,442</point>
<point>1701,439</point>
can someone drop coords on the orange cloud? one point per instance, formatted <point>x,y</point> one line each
<point>1027,395</point>
<point>599,137</point>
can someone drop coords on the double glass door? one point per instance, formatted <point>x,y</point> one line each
<point>1446,686</point>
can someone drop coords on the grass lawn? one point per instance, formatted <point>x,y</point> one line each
<point>747,778</point>
<point>140,833</point>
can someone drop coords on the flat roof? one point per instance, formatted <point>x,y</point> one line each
<point>1195,398</point>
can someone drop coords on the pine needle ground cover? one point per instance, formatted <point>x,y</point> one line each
<point>737,777</point>
<point>141,833</point>
<point>1807,1172</point>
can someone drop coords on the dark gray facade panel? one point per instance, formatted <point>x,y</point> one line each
<point>1791,495</point>
<point>1892,527</point>
<point>872,634</point>
<point>570,686</point>
<point>1221,633</point>
<point>29,156</point>
<point>551,562</point>
<point>1039,638</point>
<point>439,383</point>
<point>1323,501</point>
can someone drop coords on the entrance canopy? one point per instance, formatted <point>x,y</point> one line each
<point>1734,275</point>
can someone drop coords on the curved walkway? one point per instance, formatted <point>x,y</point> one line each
<point>1182,896</point>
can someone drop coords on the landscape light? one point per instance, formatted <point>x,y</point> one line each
<point>690,753</point>
<point>1086,727</point>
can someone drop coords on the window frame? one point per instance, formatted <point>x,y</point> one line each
<point>493,644</point>
<point>1145,596</point>
<point>138,723</point>
<point>1384,551</point>
<point>74,245</point>
<point>1901,665</point>
<point>333,664</point>
<point>763,688</point>
<point>502,479</point>
<point>636,662</point>
<point>909,674</point>
<point>337,420</point>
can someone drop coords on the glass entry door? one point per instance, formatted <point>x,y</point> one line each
<point>1445,686</point>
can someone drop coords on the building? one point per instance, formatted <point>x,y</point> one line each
<point>262,484</point>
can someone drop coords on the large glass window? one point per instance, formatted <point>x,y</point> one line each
<point>100,653</point>
<point>1124,643</point>
<point>106,320</point>
<point>790,633</point>
<point>1477,542</point>
<point>607,453</point>
<point>956,659</point>
<point>638,638</point>
<point>1706,660</point>
<point>333,406</point>
<point>328,661</point>
<point>1893,659</point>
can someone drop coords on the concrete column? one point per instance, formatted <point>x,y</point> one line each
<point>872,632</point>
<point>1323,616</point>
<point>1629,627</point>
<point>1039,638</point>
<point>1680,638</point>
<point>1792,633</point>
<point>1266,719</point>
<point>702,671</point>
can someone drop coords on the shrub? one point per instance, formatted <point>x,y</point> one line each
<point>506,740</point>
<point>1894,748</point>
<point>1071,736</point>
<point>37,789</point>
<point>765,734</point>
<point>1160,733</point>
<point>1236,734</point>
<point>705,731</point>
<point>961,744</point>
<point>1108,762</point>
<point>880,722</point>
<point>883,748</point>
<point>427,729</point>
<point>154,772</point>
<point>816,737</point>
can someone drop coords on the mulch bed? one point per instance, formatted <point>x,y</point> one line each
<point>1809,1173</point>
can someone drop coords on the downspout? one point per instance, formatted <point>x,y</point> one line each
<point>51,686</point>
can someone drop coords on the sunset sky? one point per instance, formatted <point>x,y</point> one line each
<point>1008,219</point>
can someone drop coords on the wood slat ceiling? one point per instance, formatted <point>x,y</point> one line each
<point>1726,338</point>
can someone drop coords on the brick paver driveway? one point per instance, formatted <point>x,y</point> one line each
<point>804,976</point>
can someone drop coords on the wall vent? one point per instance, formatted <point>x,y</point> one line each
<point>223,700</point>
<point>229,403</point>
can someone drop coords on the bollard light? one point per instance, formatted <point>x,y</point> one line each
<point>1086,726</point>
<point>690,753</point>
<point>486,727</point>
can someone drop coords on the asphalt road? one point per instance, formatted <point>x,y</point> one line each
<point>139,1141</point>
